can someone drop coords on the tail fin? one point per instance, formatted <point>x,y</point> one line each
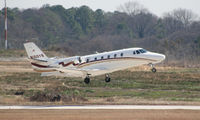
<point>34,52</point>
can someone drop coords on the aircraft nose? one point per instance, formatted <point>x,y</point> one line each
<point>162,57</point>
<point>158,57</point>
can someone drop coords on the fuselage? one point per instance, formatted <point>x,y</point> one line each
<point>101,63</point>
<point>118,60</point>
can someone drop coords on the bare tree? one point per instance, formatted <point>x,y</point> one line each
<point>171,25</point>
<point>184,15</point>
<point>143,23</point>
<point>140,18</point>
<point>132,8</point>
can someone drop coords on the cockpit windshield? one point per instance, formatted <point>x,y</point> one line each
<point>142,51</point>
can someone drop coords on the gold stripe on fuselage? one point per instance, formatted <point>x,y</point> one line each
<point>44,70</point>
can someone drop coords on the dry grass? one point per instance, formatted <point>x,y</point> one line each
<point>134,86</point>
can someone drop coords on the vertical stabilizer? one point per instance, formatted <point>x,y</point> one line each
<point>34,52</point>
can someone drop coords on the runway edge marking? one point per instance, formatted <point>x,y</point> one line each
<point>99,107</point>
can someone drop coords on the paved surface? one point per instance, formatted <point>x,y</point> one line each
<point>104,107</point>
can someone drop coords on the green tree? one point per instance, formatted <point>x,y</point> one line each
<point>84,16</point>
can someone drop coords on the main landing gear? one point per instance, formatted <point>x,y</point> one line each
<point>153,69</point>
<point>87,78</point>
<point>107,78</point>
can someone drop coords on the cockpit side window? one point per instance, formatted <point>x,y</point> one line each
<point>138,52</point>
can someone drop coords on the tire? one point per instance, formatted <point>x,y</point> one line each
<point>107,79</point>
<point>87,80</point>
<point>153,70</point>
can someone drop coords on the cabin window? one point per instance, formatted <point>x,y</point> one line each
<point>88,60</point>
<point>122,54</point>
<point>95,58</point>
<point>137,52</point>
<point>79,59</point>
<point>134,53</point>
<point>102,57</point>
<point>108,56</point>
<point>115,55</point>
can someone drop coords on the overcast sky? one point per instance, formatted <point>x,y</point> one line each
<point>157,7</point>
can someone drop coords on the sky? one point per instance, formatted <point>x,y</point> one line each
<point>157,7</point>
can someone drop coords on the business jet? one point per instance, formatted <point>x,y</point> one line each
<point>91,65</point>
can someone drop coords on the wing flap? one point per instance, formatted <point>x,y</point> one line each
<point>71,72</point>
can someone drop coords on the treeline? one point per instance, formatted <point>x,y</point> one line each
<point>78,31</point>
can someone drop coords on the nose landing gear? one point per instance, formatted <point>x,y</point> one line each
<point>153,68</point>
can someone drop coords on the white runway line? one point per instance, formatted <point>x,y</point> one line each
<point>101,107</point>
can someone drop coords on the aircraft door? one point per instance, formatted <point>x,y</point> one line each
<point>79,60</point>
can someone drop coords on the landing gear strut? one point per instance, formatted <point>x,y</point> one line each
<point>107,78</point>
<point>153,68</point>
<point>87,79</point>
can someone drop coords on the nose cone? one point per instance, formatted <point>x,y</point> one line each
<point>162,57</point>
<point>157,57</point>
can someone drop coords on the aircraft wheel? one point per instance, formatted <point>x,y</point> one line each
<point>107,79</point>
<point>87,80</point>
<point>153,70</point>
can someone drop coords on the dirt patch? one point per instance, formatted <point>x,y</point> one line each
<point>15,69</point>
<point>15,66</point>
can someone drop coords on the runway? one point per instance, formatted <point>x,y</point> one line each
<point>104,107</point>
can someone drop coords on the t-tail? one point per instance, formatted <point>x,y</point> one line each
<point>39,61</point>
<point>34,52</point>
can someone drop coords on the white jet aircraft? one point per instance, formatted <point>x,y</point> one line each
<point>91,65</point>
